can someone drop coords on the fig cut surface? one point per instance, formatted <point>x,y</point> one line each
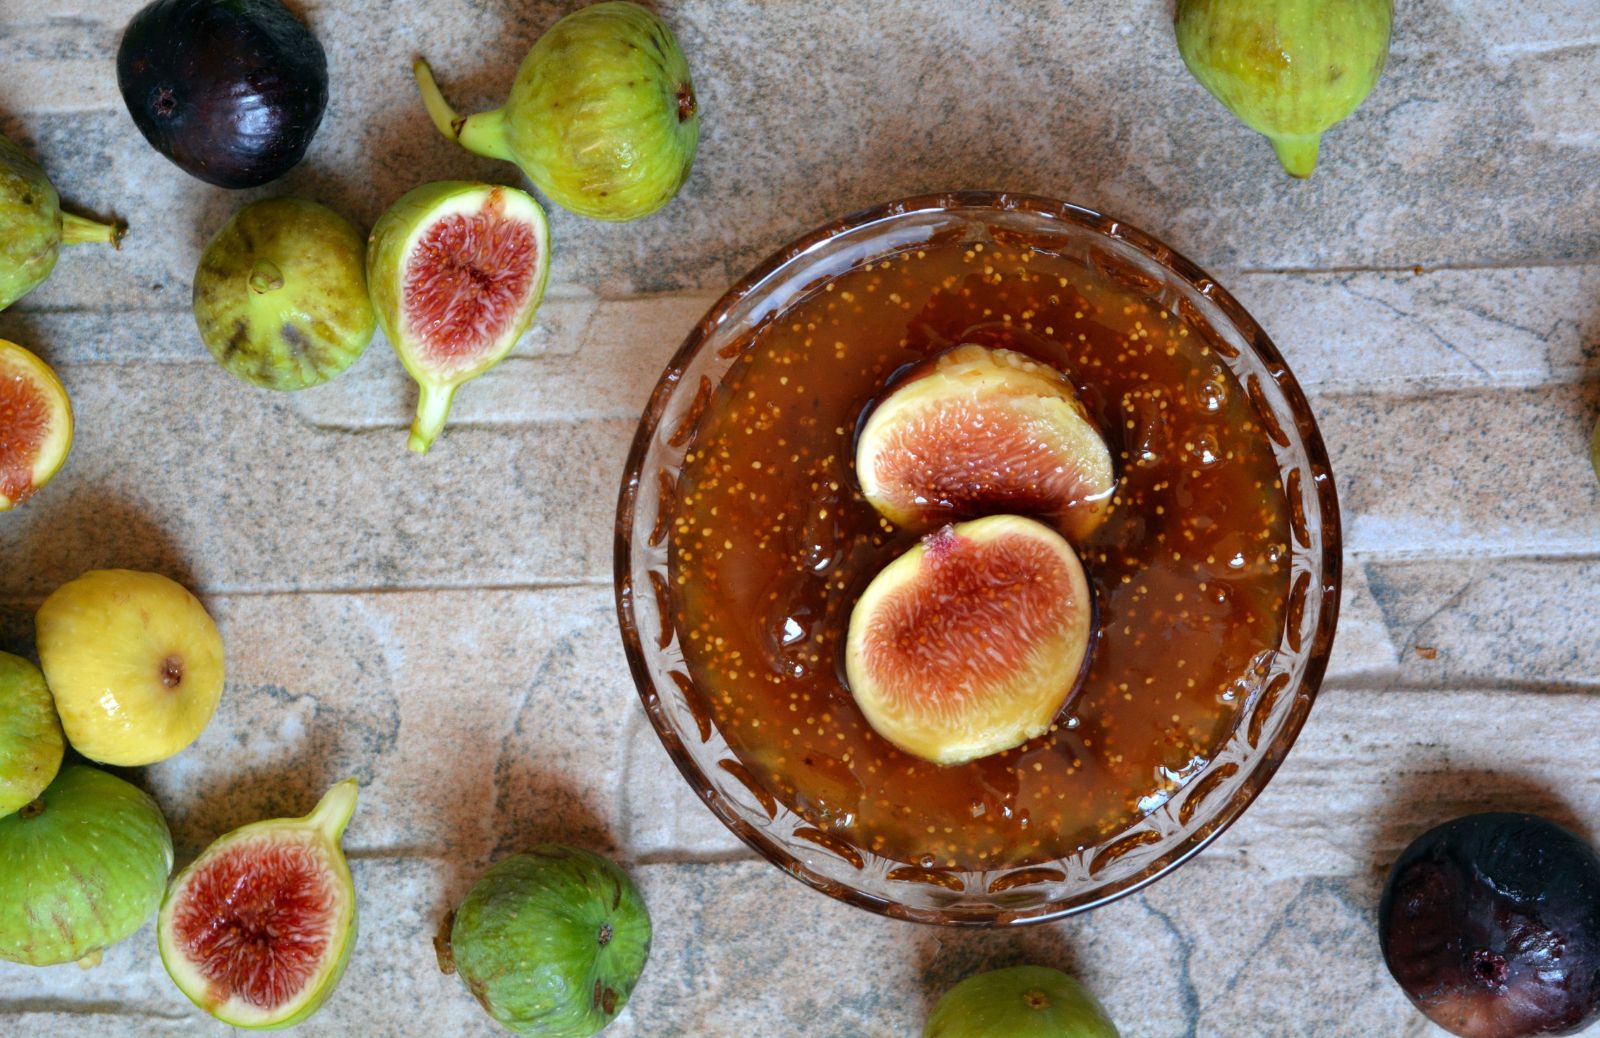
<point>457,271</point>
<point>257,932</point>
<point>35,424</point>
<point>985,431</point>
<point>970,643</point>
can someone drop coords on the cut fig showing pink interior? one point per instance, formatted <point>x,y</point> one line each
<point>457,271</point>
<point>985,431</point>
<point>972,641</point>
<point>35,424</point>
<point>257,932</point>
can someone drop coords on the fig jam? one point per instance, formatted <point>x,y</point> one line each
<point>771,544</point>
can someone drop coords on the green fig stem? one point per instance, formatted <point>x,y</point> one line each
<point>79,230</point>
<point>333,811</point>
<point>433,407</point>
<point>265,277</point>
<point>483,134</point>
<point>1298,154</point>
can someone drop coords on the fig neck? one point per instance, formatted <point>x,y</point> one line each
<point>483,134</point>
<point>333,811</point>
<point>79,230</point>
<point>433,407</point>
<point>1298,154</point>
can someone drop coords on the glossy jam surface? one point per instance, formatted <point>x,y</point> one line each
<point>771,543</point>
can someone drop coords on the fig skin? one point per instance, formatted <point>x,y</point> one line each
<point>232,92</point>
<point>388,249</point>
<point>983,431</point>
<point>1491,925</point>
<point>32,226</point>
<point>280,296</point>
<point>22,476</point>
<point>134,661</point>
<point>320,832</point>
<point>923,653</point>
<point>602,116</point>
<point>1019,1002</point>
<point>1289,69</point>
<point>550,943</point>
<point>31,743</point>
<point>1594,449</point>
<point>85,867</point>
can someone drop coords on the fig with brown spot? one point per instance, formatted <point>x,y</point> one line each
<point>280,296</point>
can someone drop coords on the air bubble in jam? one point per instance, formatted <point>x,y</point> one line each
<point>1189,568</point>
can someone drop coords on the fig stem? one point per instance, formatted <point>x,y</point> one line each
<point>433,407</point>
<point>80,230</point>
<point>265,277</point>
<point>333,811</point>
<point>1298,154</point>
<point>483,134</point>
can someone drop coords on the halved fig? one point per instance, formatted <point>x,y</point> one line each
<point>35,424</point>
<point>970,643</point>
<point>985,430</point>
<point>456,271</point>
<point>258,930</point>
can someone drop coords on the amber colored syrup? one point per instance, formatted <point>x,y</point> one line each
<point>772,543</point>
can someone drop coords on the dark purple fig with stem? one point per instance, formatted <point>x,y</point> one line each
<point>230,90</point>
<point>1491,924</point>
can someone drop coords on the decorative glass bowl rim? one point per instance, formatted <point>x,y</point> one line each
<point>1331,552</point>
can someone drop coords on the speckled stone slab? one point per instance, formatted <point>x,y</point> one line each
<point>442,628</point>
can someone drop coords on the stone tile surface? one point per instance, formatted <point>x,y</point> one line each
<point>443,628</point>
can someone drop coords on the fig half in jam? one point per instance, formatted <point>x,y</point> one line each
<point>1491,924</point>
<point>970,643</point>
<point>985,431</point>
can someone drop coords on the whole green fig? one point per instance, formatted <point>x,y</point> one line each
<point>32,226</point>
<point>1289,69</point>
<point>1019,1002</point>
<point>550,942</point>
<point>81,868</point>
<point>602,116</point>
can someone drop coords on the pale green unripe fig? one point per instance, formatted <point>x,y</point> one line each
<point>85,866</point>
<point>31,743</point>
<point>602,116</point>
<point>1289,69</point>
<point>1019,1002</point>
<point>32,226</point>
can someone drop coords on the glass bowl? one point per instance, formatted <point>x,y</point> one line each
<point>1270,717</point>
